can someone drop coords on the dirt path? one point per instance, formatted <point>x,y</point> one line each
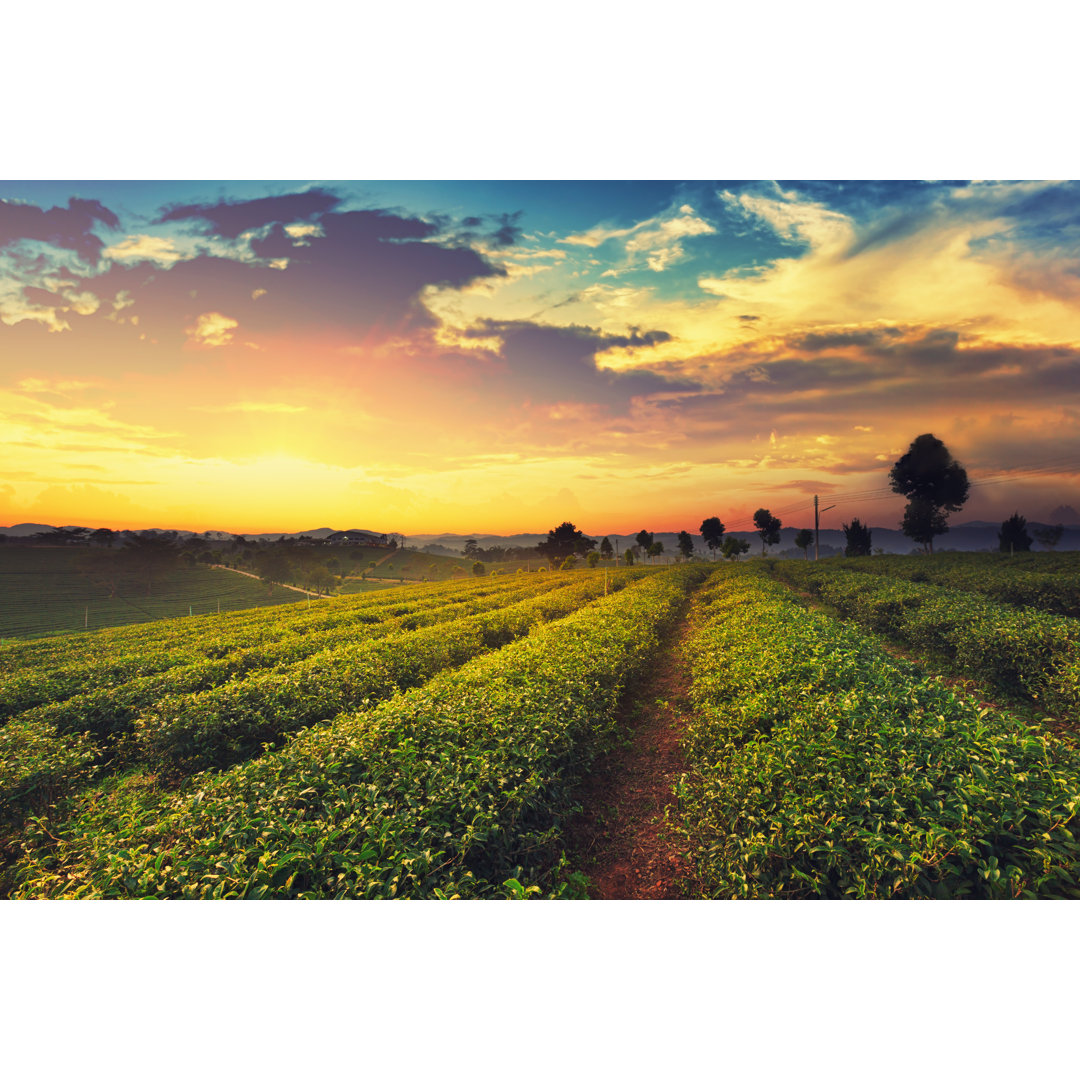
<point>279,584</point>
<point>620,838</point>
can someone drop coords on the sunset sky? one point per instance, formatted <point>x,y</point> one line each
<point>497,357</point>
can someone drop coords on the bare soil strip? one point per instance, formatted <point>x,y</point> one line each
<point>279,584</point>
<point>620,839</point>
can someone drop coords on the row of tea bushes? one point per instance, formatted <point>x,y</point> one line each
<point>821,766</point>
<point>1024,651</point>
<point>455,788</point>
<point>46,754</point>
<point>118,700</point>
<point>1056,591</point>
<point>217,634</point>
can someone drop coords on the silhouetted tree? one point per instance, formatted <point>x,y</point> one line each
<point>472,548</point>
<point>102,537</point>
<point>768,528</point>
<point>934,484</point>
<point>686,544</point>
<point>803,539</point>
<point>628,556</point>
<point>857,538</point>
<point>606,550</point>
<point>150,554</point>
<point>1013,535</point>
<point>656,549</point>
<point>563,541</point>
<point>922,522</point>
<point>734,547</point>
<point>643,540</point>
<point>712,532</point>
<point>1050,535</point>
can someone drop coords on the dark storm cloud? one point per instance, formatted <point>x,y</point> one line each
<point>545,364</point>
<point>70,227</point>
<point>368,269</point>
<point>230,219</point>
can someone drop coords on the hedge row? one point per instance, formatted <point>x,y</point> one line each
<point>824,767</point>
<point>453,788</point>
<point>1024,651</point>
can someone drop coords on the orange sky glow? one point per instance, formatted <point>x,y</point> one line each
<point>424,358</point>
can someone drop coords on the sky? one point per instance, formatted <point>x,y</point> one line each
<point>501,356</point>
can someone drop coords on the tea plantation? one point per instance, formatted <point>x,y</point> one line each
<point>432,741</point>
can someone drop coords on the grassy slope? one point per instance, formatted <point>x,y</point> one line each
<point>42,592</point>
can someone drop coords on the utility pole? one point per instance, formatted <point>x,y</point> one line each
<point>823,509</point>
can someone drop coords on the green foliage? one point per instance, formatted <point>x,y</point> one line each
<point>803,539</point>
<point>823,767</point>
<point>478,568</point>
<point>734,547</point>
<point>1024,651</point>
<point>1048,583</point>
<point>568,563</point>
<point>454,788</point>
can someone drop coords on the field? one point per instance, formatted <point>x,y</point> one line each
<point>878,728</point>
<point>44,591</point>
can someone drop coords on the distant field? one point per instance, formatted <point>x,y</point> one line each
<point>42,592</point>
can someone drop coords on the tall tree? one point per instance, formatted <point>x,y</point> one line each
<point>712,532</point>
<point>768,528</point>
<point>606,550</point>
<point>935,485</point>
<point>563,541</point>
<point>1013,535</point>
<point>643,540</point>
<point>804,538</point>
<point>656,549</point>
<point>857,538</point>
<point>472,549</point>
<point>686,544</point>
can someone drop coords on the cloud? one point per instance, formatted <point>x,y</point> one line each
<point>140,247</point>
<point>657,240</point>
<point>212,330</point>
<point>231,218</point>
<point>553,365</point>
<point>362,272</point>
<point>70,228</point>
<point>952,256</point>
